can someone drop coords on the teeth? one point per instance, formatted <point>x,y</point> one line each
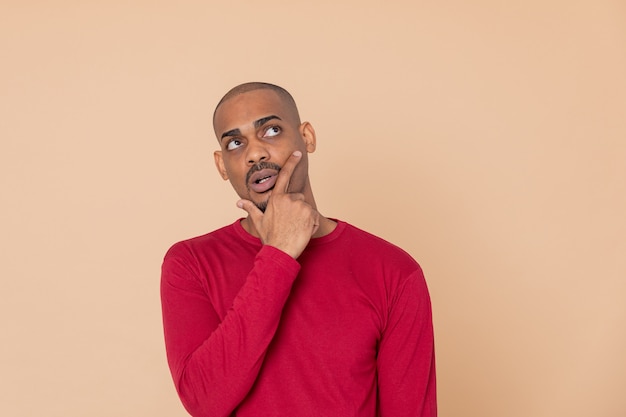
<point>262,180</point>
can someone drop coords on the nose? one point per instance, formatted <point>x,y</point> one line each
<point>257,152</point>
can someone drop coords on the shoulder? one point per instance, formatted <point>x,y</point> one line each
<point>389,269</point>
<point>378,246</point>
<point>194,258</point>
<point>211,241</point>
<point>374,256</point>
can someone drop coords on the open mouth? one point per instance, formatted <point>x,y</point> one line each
<point>263,181</point>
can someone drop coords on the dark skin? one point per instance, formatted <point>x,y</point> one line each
<point>259,126</point>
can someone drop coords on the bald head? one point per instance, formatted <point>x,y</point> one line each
<point>252,86</point>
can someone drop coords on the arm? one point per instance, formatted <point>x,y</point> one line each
<point>214,363</point>
<point>406,358</point>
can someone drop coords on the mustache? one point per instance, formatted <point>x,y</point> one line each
<point>259,166</point>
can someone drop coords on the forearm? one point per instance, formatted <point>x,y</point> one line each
<point>406,358</point>
<point>214,363</point>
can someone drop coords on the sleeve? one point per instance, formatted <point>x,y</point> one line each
<point>406,357</point>
<point>213,362</point>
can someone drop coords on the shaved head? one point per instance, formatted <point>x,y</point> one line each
<point>252,86</point>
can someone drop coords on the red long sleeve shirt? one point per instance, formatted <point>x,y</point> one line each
<point>346,330</point>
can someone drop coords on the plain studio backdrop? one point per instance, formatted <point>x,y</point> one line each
<point>486,138</point>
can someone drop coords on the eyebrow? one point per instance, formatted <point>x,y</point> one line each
<point>264,120</point>
<point>257,124</point>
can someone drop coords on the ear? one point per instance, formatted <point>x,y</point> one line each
<point>219,164</point>
<point>308,135</point>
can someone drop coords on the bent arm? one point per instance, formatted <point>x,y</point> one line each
<point>215,362</point>
<point>406,357</point>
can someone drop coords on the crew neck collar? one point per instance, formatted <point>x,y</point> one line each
<point>337,231</point>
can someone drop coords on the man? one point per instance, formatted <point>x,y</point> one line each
<point>287,312</point>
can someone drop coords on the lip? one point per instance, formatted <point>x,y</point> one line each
<point>269,177</point>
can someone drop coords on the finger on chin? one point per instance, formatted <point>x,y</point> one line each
<point>287,170</point>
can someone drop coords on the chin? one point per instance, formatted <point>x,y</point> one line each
<point>261,205</point>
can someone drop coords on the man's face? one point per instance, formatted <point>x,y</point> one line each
<point>257,132</point>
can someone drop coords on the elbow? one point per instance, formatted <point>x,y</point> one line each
<point>199,399</point>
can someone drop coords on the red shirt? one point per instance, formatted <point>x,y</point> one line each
<point>346,330</point>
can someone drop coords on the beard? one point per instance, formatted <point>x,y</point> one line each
<point>262,206</point>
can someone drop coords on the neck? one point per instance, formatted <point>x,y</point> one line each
<point>326,226</point>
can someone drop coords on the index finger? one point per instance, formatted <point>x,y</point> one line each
<point>284,176</point>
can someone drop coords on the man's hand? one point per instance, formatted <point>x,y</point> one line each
<point>288,222</point>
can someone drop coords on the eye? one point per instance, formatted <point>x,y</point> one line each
<point>272,131</point>
<point>233,144</point>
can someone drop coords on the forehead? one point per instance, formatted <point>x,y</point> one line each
<point>244,109</point>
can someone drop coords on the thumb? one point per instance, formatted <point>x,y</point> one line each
<point>252,210</point>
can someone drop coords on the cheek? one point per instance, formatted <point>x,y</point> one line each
<point>302,169</point>
<point>231,168</point>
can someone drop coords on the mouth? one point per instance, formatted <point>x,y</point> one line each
<point>263,180</point>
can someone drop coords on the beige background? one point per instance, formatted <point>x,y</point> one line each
<point>487,139</point>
